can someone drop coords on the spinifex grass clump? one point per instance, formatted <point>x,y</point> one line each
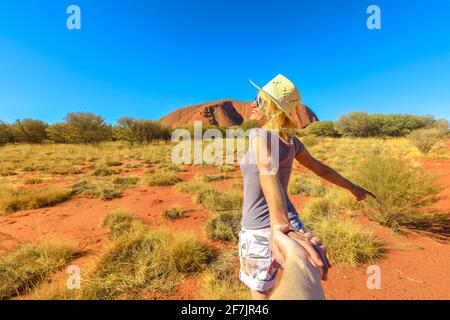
<point>224,226</point>
<point>401,187</point>
<point>212,177</point>
<point>28,265</point>
<point>161,179</point>
<point>307,184</point>
<point>99,188</point>
<point>329,218</point>
<point>13,199</point>
<point>225,222</point>
<point>221,280</point>
<point>174,213</point>
<point>140,258</point>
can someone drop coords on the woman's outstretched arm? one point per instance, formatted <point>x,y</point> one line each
<point>329,174</point>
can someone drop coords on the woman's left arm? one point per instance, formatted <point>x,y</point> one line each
<point>329,174</point>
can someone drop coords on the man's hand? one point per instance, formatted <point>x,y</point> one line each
<point>286,243</point>
<point>361,193</point>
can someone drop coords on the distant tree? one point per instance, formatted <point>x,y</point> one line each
<point>425,139</point>
<point>442,125</point>
<point>322,129</point>
<point>5,133</point>
<point>361,124</point>
<point>87,128</point>
<point>355,124</point>
<point>125,130</point>
<point>250,124</point>
<point>29,131</point>
<point>59,132</point>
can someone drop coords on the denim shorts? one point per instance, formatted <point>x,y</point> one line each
<point>258,266</point>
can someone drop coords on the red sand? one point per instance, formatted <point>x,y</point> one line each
<point>415,266</point>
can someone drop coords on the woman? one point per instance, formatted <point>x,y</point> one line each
<point>266,169</point>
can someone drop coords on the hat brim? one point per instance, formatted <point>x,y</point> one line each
<point>274,100</point>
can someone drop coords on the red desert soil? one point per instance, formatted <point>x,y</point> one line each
<point>414,267</point>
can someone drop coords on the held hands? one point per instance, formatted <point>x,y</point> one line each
<point>287,243</point>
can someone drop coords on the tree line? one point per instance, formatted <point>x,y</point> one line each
<point>84,128</point>
<point>361,124</point>
<point>88,128</point>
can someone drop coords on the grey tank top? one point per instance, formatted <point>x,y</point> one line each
<point>255,214</point>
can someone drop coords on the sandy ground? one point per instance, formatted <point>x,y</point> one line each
<point>414,267</point>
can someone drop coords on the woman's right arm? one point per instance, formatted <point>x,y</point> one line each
<point>270,183</point>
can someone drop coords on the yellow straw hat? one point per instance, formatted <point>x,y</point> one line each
<point>283,92</point>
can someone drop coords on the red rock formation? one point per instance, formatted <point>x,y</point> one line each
<point>228,113</point>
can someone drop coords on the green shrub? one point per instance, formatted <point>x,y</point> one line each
<point>425,139</point>
<point>401,187</point>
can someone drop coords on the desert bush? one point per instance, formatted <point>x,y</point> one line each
<point>226,168</point>
<point>250,124</point>
<point>306,184</point>
<point>33,181</point>
<point>224,226</point>
<point>103,170</point>
<point>169,167</point>
<point>191,187</point>
<point>221,280</point>
<point>99,188</point>
<point>321,129</point>
<point>141,131</point>
<point>348,243</point>
<point>310,141</point>
<point>219,201</point>
<point>425,139</point>
<point>211,177</point>
<point>401,188</point>
<point>361,124</point>
<point>29,131</point>
<point>151,259</point>
<point>174,213</point>
<point>13,199</point>
<point>126,181</point>
<point>121,223</point>
<point>28,265</point>
<point>6,135</point>
<point>161,179</point>
<point>85,128</point>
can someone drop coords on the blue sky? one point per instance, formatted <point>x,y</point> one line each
<point>147,58</point>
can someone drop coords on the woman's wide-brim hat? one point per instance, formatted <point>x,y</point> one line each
<point>283,92</point>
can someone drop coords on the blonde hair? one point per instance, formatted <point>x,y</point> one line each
<point>276,119</point>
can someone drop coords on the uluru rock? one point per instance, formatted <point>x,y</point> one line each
<point>229,113</point>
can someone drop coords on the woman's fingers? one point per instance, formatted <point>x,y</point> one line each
<point>307,245</point>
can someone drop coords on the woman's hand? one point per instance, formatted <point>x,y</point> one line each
<point>287,243</point>
<point>361,193</point>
